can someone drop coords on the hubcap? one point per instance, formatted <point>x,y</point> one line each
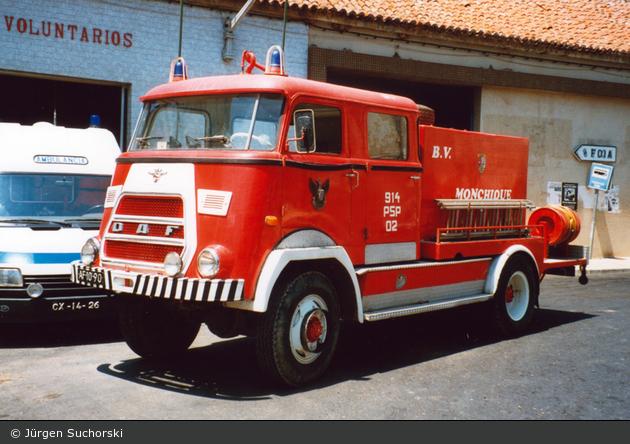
<point>517,296</point>
<point>308,329</point>
<point>315,329</point>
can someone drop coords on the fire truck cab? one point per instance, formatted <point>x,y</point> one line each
<point>276,207</point>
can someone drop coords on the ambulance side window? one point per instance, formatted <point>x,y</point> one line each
<point>387,136</point>
<point>327,128</point>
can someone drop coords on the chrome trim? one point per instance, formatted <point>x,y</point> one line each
<point>150,240</point>
<point>149,219</point>
<point>364,270</point>
<point>431,294</point>
<point>424,307</point>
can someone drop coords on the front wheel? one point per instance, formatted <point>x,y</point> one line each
<point>298,335</point>
<point>513,302</point>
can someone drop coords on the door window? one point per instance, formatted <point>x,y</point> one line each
<point>327,128</point>
<point>387,136</point>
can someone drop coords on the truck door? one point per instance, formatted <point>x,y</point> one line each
<point>393,184</point>
<point>316,190</point>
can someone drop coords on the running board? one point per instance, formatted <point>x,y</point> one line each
<point>423,307</point>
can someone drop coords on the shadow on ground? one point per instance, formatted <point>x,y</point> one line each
<point>229,370</point>
<point>59,334</point>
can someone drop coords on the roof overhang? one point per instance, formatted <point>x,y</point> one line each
<point>426,33</point>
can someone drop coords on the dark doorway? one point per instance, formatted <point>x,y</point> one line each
<point>453,105</point>
<point>27,100</point>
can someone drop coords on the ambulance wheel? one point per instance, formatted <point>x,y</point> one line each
<point>151,330</point>
<point>513,301</point>
<point>298,335</point>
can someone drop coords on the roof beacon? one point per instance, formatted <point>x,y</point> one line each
<point>275,61</point>
<point>179,71</point>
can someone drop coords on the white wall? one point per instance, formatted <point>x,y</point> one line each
<point>556,124</point>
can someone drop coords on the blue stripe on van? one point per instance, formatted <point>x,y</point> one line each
<point>37,258</point>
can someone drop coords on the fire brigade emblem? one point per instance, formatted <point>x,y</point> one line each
<point>319,192</point>
<point>157,173</point>
<point>481,161</point>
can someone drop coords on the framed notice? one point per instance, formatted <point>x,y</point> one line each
<point>569,195</point>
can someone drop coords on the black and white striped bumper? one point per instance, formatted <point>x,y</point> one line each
<point>203,290</point>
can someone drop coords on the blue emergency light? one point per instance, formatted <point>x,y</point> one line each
<point>179,71</point>
<point>275,61</point>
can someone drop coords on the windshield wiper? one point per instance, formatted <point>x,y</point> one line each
<point>84,219</point>
<point>88,223</point>
<point>143,139</point>
<point>37,222</point>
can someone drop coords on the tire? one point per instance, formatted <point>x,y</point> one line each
<point>151,330</point>
<point>513,302</point>
<point>298,335</point>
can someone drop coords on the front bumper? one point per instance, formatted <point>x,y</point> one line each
<point>156,286</point>
<point>16,308</point>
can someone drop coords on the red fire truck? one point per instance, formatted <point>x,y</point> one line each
<point>275,207</point>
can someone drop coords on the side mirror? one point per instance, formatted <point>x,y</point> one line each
<point>305,130</point>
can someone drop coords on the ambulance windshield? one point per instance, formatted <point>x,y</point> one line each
<point>52,198</point>
<point>216,122</point>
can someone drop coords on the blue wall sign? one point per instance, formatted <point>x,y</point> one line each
<point>600,176</point>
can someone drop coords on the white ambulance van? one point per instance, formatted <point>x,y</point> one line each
<point>53,182</point>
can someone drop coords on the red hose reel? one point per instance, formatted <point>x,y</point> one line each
<point>562,224</point>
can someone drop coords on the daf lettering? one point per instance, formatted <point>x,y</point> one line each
<point>143,229</point>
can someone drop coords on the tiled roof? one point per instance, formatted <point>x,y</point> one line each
<point>584,25</point>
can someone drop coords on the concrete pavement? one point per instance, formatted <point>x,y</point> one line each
<point>608,265</point>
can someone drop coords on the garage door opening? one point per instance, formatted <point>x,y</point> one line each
<point>27,100</point>
<point>454,105</point>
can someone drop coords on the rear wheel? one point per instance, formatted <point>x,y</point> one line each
<point>298,335</point>
<point>151,330</point>
<point>513,302</point>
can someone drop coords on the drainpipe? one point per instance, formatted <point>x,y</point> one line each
<point>228,31</point>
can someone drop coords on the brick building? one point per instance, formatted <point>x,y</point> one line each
<point>555,71</point>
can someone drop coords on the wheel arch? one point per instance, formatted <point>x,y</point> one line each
<point>310,250</point>
<point>498,263</point>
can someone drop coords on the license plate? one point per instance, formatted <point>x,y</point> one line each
<point>94,278</point>
<point>65,306</point>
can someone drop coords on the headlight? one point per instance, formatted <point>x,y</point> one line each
<point>208,263</point>
<point>172,264</point>
<point>10,277</point>
<point>90,250</point>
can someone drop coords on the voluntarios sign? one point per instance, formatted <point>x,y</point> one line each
<point>67,31</point>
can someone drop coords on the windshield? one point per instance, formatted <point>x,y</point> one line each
<point>224,122</point>
<point>51,197</point>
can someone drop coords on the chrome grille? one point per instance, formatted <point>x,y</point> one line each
<point>144,229</point>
